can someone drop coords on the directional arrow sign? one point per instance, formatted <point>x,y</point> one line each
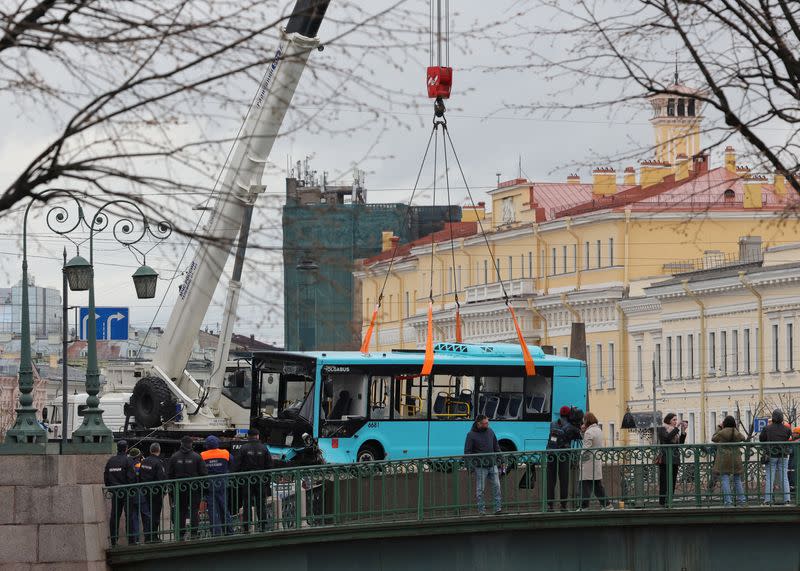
<point>111,322</point>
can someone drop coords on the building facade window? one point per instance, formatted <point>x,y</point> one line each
<point>735,351</point>
<point>612,363</point>
<point>586,261</point>
<point>530,264</point>
<point>574,257</point>
<point>690,354</point>
<point>639,367</point>
<point>712,351</point>
<point>599,365</point>
<point>511,267</point>
<point>554,269</point>
<point>723,347</point>
<point>564,259</point>
<point>790,347</point>
<point>747,351</point>
<point>408,305</point>
<point>611,251</point>
<point>679,356</point>
<point>486,271</point>
<point>599,253</point>
<point>669,358</point>
<point>775,342</point>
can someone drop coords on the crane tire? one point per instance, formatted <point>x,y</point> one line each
<point>152,402</point>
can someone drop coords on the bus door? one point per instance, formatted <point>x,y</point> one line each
<point>569,386</point>
<point>451,412</point>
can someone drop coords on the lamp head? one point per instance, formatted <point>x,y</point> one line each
<point>79,273</point>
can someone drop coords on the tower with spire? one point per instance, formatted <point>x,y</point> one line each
<point>676,121</point>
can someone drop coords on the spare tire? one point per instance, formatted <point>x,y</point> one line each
<point>152,402</point>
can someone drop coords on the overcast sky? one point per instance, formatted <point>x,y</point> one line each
<point>489,137</point>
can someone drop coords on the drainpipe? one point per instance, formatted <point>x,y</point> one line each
<point>534,309</point>
<point>760,305</point>
<point>703,357</point>
<point>539,242</point>
<point>401,302</point>
<point>623,361</point>
<point>578,269</point>
<point>575,314</point>
<point>625,272</point>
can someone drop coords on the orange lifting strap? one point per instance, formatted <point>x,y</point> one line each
<point>530,369</point>
<point>459,339</point>
<point>368,336</point>
<point>427,364</point>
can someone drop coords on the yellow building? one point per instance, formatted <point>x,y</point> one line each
<point>576,251</point>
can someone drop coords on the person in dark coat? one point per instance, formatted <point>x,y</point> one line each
<point>120,471</point>
<point>186,463</point>
<point>152,471</point>
<point>778,461</point>
<point>482,440</point>
<point>254,489</point>
<point>562,436</point>
<point>671,432</point>
<point>218,462</point>
<point>728,461</point>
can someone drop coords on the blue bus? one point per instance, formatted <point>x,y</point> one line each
<point>361,407</point>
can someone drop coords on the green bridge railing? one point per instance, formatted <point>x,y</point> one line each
<point>445,487</point>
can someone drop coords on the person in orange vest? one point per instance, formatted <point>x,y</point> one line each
<point>218,462</point>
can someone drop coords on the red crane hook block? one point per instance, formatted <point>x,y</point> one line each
<point>440,80</point>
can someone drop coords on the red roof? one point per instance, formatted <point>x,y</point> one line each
<point>459,230</point>
<point>701,191</point>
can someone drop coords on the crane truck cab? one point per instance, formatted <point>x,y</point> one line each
<point>113,406</point>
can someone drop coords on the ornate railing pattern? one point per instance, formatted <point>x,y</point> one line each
<point>445,488</point>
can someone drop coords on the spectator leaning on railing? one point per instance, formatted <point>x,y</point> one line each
<point>778,461</point>
<point>728,462</point>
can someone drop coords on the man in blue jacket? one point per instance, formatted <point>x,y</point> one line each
<point>481,440</point>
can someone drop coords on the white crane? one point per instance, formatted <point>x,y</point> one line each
<point>161,385</point>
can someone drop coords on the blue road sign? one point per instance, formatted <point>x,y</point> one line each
<point>759,423</point>
<point>112,323</point>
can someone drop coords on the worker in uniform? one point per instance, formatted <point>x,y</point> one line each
<point>186,463</point>
<point>120,471</point>
<point>218,463</point>
<point>151,472</point>
<point>255,489</point>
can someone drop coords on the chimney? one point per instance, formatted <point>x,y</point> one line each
<point>681,167</point>
<point>386,240</point>
<point>629,176</point>
<point>700,164</point>
<point>730,159</point>
<point>573,178</point>
<point>752,193</point>
<point>779,183</point>
<point>652,172</point>
<point>750,249</point>
<point>604,181</point>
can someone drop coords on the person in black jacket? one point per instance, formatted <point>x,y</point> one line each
<point>120,471</point>
<point>482,440</point>
<point>778,463</point>
<point>186,463</point>
<point>562,434</point>
<point>152,471</point>
<point>255,488</point>
<point>671,432</point>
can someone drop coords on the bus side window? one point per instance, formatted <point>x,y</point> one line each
<point>410,394</point>
<point>538,397</point>
<point>379,397</point>
<point>451,397</point>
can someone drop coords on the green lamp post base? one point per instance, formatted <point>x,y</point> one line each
<point>27,436</point>
<point>92,437</point>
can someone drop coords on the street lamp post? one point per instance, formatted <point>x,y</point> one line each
<point>93,436</point>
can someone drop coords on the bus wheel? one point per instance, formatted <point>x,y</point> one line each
<point>370,452</point>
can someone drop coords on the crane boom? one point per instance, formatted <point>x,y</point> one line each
<point>240,184</point>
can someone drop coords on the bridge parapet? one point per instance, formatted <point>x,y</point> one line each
<point>314,498</point>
